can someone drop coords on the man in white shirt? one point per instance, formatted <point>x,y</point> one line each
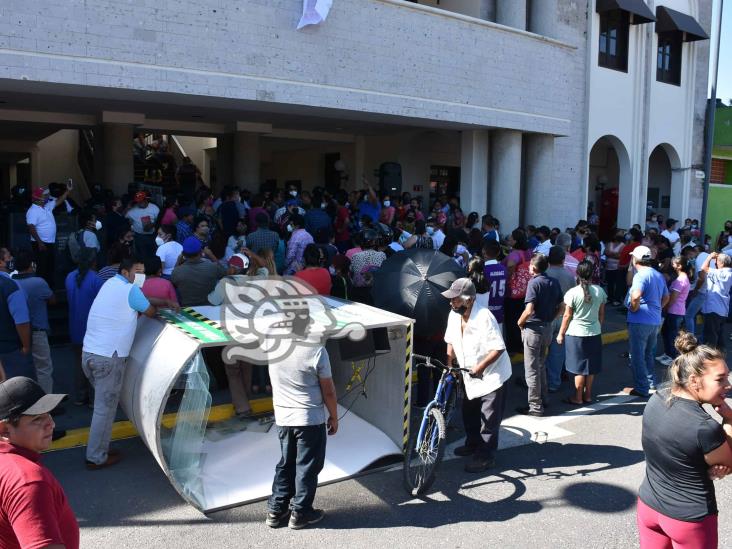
<point>673,237</point>
<point>543,233</point>
<point>42,228</point>
<point>474,339</point>
<point>143,217</point>
<point>169,249</point>
<point>435,232</point>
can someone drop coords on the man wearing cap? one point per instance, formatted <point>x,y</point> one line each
<point>15,324</point>
<point>143,217</point>
<point>110,331</point>
<point>648,295</point>
<point>193,277</point>
<point>34,511</point>
<point>474,339</point>
<point>42,228</point>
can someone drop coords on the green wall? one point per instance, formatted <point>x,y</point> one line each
<point>719,209</point>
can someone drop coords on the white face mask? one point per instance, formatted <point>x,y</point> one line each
<point>159,241</point>
<point>387,203</point>
<point>323,205</point>
<point>139,280</point>
<point>98,225</point>
<point>289,228</point>
<point>430,231</point>
<point>293,193</point>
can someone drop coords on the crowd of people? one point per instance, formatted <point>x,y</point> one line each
<point>538,290</point>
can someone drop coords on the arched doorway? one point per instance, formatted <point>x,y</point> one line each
<point>664,193</point>
<point>609,184</point>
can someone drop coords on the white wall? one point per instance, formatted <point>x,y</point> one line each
<point>56,161</point>
<point>195,148</point>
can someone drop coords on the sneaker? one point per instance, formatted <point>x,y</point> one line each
<point>668,361</point>
<point>112,459</point>
<point>276,520</point>
<point>526,411</point>
<point>301,520</point>
<point>635,393</point>
<point>464,451</point>
<point>661,358</point>
<point>478,465</point>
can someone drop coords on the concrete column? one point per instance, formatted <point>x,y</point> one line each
<point>543,18</point>
<point>487,10</point>
<point>511,13</point>
<point>539,180</point>
<point>119,169</point>
<point>359,169</point>
<point>474,171</point>
<point>246,161</point>
<point>505,168</point>
<point>224,162</point>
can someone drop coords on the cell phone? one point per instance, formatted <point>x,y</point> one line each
<point>70,184</point>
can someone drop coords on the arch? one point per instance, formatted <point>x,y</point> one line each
<point>610,183</point>
<point>666,182</point>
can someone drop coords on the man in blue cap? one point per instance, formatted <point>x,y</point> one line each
<point>195,277</point>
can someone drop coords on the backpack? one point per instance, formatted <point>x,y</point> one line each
<point>520,280</point>
<point>76,245</point>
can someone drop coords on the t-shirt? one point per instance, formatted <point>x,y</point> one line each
<point>38,292</point>
<point>41,217</point>
<point>34,511</point>
<point>372,210</point>
<point>296,393</point>
<point>169,254</point>
<point>318,278</point>
<point>159,288</point>
<point>585,320</point>
<point>680,285</point>
<point>80,301</point>
<point>676,437</point>
<point>546,295</point>
<point>543,248</point>
<point>195,279</point>
<point>624,259</point>
<point>140,216</point>
<point>495,277</point>
<point>566,280</point>
<point>653,288</point>
<point>719,283</point>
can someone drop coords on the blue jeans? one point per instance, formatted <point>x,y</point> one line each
<point>17,364</point>
<point>670,330</point>
<point>296,474</point>
<point>555,360</point>
<point>693,307</point>
<point>642,355</point>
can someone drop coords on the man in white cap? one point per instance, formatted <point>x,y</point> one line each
<point>34,511</point>
<point>647,297</point>
<point>474,339</point>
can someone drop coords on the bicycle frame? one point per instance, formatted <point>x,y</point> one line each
<point>445,387</point>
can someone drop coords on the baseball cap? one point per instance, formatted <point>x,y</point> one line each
<point>641,252</point>
<point>191,245</point>
<point>23,396</point>
<point>140,196</point>
<point>38,193</point>
<point>462,286</point>
<point>240,261</point>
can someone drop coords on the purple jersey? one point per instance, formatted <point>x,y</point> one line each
<point>495,277</point>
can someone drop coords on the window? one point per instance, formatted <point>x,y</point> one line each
<point>668,63</point>
<point>614,40</point>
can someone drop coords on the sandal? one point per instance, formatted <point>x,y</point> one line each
<point>567,400</point>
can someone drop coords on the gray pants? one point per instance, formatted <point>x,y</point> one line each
<point>536,343</point>
<point>105,375</point>
<point>41,352</point>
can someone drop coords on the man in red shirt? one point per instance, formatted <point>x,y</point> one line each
<point>34,511</point>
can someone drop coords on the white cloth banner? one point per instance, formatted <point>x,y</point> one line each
<point>314,12</point>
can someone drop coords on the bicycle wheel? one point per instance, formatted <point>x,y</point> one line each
<point>421,461</point>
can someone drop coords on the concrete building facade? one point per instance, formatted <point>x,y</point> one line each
<point>505,93</point>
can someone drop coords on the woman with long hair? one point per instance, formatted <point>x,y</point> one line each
<point>513,307</point>
<point>685,450</point>
<point>476,273</point>
<point>676,307</point>
<point>584,313</point>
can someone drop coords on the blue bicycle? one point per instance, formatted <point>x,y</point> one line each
<point>427,444</point>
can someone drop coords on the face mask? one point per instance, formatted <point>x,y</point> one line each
<point>430,231</point>
<point>387,203</point>
<point>289,228</point>
<point>98,225</point>
<point>159,241</point>
<point>293,193</point>
<point>323,205</point>
<point>459,310</point>
<point>139,280</point>
<point>10,265</point>
<point>128,242</point>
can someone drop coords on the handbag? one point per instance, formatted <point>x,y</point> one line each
<point>519,280</point>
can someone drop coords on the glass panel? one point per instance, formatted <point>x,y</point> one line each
<point>613,47</point>
<point>603,43</point>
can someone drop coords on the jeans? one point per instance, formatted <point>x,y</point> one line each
<point>714,330</point>
<point>536,342</point>
<point>669,331</point>
<point>45,262</point>
<point>17,364</point>
<point>42,360</point>
<point>642,339</point>
<point>296,474</point>
<point>555,358</point>
<point>105,374</point>
<point>482,421</point>
<point>693,307</point>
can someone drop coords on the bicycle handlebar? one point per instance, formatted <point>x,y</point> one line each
<point>434,363</point>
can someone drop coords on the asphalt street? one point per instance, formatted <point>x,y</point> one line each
<point>567,480</point>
